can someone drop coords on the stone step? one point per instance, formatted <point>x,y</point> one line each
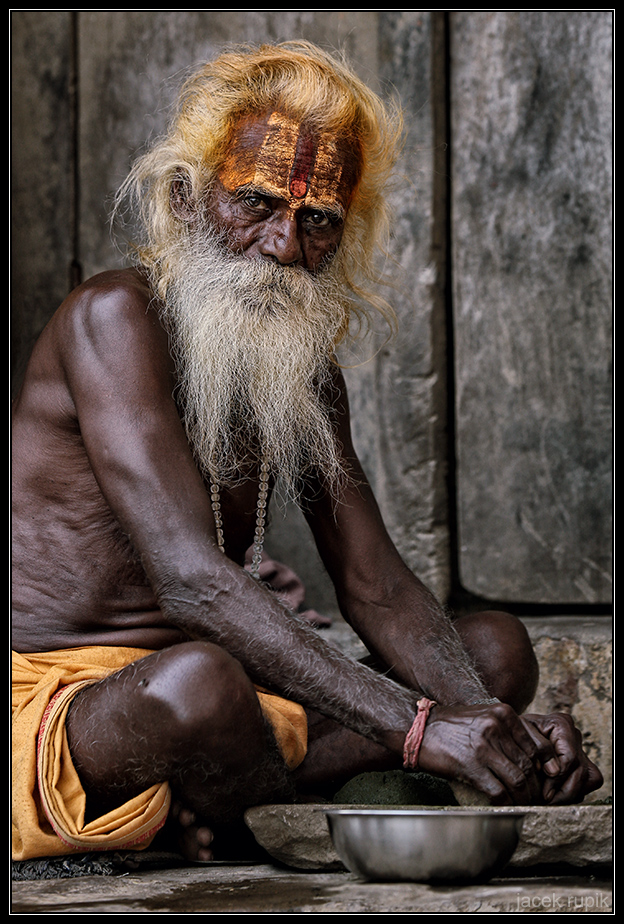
<point>576,836</point>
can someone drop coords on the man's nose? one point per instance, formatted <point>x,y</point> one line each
<point>281,241</point>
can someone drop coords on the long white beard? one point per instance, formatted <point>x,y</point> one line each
<point>253,342</point>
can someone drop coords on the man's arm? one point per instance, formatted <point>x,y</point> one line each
<point>395,614</point>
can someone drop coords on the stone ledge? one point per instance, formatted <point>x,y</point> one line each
<point>575,658</point>
<point>579,836</point>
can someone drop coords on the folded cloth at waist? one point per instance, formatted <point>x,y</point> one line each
<point>48,801</point>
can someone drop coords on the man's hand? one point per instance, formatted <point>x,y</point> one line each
<point>570,775</point>
<point>492,749</point>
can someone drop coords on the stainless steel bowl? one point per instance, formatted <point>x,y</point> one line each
<point>424,845</point>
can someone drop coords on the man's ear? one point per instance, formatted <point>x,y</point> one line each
<point>181,200</point>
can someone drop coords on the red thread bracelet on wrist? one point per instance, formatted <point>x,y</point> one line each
<point>414,737</point>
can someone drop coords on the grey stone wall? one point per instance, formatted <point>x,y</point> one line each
<point>522,180</point>
<point>42,188</point>
<point>531,170</point>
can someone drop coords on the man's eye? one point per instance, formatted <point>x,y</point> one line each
<point>255,202</point>
<point>318,219</point>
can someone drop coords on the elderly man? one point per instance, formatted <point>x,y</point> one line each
<point>161,406</point>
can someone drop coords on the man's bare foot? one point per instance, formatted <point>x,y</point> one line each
<point>199,841</point>
<point>192,838</point>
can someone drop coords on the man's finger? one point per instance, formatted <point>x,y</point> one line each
<point>545,752</point>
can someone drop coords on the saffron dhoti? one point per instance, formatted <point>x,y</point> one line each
<point>48,805</point>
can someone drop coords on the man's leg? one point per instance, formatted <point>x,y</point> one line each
<point>187,715</point>
<point>335,755</point>
<point>503,655</point>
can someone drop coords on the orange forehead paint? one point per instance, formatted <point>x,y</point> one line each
<point>288,161</point>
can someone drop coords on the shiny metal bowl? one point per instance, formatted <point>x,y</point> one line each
<point>424,845</point>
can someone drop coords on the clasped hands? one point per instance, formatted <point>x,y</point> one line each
<point>512,759</point>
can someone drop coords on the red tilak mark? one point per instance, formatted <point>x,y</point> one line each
<point>305,155</point>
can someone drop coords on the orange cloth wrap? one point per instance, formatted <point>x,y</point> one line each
<point>48,801</point>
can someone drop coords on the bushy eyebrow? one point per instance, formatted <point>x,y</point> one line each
<point>334,212</point>
<point>250,189</point>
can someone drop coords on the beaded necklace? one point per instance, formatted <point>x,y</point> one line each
<point>261,511</point>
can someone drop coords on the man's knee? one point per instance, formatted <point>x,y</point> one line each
<point>204,693</point>
<point>189,706</point>
<point>191,699</point>
<point>502,651</point>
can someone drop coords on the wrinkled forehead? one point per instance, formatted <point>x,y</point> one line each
<point>280,155</point>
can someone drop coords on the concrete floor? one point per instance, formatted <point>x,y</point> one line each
<point>230,888</point>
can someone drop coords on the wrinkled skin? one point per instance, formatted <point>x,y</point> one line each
<point>97,438</point>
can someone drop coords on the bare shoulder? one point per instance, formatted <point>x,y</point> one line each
<point>89,352</point>
<point>123,286</point>
<point>108,305</point>
<point>108,327</point>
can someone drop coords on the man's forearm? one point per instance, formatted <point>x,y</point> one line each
<point>397,617</point>
<point>413,635</point>
<point>281,651</point>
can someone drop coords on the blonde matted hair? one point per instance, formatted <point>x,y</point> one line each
<point>308,84</point>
